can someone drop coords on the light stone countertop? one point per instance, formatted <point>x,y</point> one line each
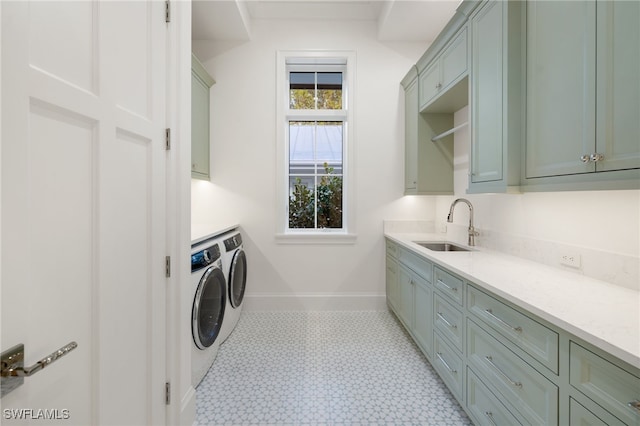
<point>200,232</point>
<point>603,314</point>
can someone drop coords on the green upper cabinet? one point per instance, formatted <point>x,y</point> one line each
<point>618,85</point>
<point>428,165</point>
<point>582,93</point>
<point>443,80</point>
<point>201,83</point>
<point>496,97</point>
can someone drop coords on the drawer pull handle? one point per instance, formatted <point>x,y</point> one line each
<point>635,405</point>
<point>502,373</point>
<point>447,286</point>
<point>489,415</point>
<point>501,321</point>
<point>439,355</point>
<point>444,320</point>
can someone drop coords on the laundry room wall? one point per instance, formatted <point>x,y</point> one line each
<point>243,160</point>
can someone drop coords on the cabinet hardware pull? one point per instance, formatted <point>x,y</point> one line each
<point>439,355</point>
<point>585,158</point>
<point>596,157</point>
<point>635,405</point>
<point>444,320</point>
<point>447,286</point>
<point>501,321</point>
<point>489,415</point>
<point>502,373</point>
<point>438,86</point>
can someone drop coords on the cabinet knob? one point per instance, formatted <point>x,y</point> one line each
<point>597,157</point>
<point>438,86</point>
<point>585,158</point>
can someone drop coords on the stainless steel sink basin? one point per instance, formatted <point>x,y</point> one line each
<point>441,246</point>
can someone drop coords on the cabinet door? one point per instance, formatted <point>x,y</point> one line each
<point>406,284</point>
<point>430,83</point>
<point>560,87</point>
<point>411,137</point>
<point>454,60</point>
<point>487,94</point>
<point>423,324</point>
<point>618,72</point>
<point>392,282</point>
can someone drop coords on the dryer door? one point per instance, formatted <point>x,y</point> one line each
<point>208,308</point>
<point>237,278</point>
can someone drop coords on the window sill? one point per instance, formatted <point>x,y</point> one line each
<point>316,238</point>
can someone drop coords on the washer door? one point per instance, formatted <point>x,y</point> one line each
<point>237,278</point>
<point>208,308</point>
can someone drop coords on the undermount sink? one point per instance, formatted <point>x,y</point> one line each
<point>441,246</point>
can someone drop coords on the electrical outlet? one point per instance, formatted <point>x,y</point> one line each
<point>571,259</point>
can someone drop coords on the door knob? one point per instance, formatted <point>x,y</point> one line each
<point>12,368</point>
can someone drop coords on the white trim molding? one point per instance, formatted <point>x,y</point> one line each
<point>347,235</point>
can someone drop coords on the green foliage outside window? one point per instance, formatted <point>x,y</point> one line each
<point>329,209</point>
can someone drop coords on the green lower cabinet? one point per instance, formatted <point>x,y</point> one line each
<point>392,282</point>
<point>613,388</point>
<point>505,365</point>
<point>449,366</point>
<point>423,310</point>
<point>406,292</point>
<point>581,416</point>
<point>448,321</point>
<point>528,392</point>
<point>484,407</point>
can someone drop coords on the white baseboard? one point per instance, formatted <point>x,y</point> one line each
<point>315,302</point>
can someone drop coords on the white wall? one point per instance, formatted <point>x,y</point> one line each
<point>243,184</point>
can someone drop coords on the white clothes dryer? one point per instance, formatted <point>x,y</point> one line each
<point>234,262</point>
<point>209,304</point>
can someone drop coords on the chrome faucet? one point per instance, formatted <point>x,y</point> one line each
<point>472,230</point>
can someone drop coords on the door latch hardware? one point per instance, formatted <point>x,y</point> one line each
<point>13,371</point>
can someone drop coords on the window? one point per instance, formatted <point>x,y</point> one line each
<point>314,143</point>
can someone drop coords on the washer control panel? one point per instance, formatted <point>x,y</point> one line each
<point>203,258</point>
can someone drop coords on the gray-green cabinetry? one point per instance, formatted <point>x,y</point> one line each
<point>444,74</point>
<point>201,83</point>
<point>583,93</point>
<point>392,279</point>
<point>413,296</point>
<point>503,364</point>
<point>496,96</point>
<point>428,165</point>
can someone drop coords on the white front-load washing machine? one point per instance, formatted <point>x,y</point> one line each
<point>234,262</point>
<point>209,303</point>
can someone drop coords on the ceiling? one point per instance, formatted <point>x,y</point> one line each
<point>397,20</point>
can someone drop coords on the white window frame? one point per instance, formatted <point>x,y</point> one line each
<point>287,60</point>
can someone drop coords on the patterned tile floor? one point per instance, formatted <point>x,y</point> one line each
<point>315,368</point>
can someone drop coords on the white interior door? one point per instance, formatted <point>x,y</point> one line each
<point>83,217</point>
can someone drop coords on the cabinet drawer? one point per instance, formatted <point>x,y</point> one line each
<point>607,384</point>
<point>392,248</point>
<point>579,415</point>
<point>450,285</point>
<point>449,321</point>
<point>532,337</point>
<point>419,265</point>
<point>448,364</point>
<point>528,391</point>
<point>484,405</point>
